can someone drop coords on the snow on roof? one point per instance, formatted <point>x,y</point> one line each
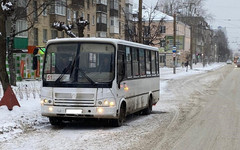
<point>156,15</point>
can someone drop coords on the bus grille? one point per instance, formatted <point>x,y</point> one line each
<point>67,99</point>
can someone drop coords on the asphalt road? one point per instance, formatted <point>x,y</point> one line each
<point>198,112</point>
<point>211,121</point>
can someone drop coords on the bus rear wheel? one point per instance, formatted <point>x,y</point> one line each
<point>122,114</point>
<point>148,110</point>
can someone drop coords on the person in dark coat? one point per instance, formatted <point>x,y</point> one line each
<point>186,65</point>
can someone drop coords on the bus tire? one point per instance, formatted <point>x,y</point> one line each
<point>121,118</point>
<point>55,121</point>
<point>148,110</point>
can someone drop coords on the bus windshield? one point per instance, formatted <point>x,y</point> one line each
<point>79,63</point>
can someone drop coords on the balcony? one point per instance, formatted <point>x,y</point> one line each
<point>113,13</point>
<point>101,8</point>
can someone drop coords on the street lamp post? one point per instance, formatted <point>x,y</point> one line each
<point>174,43</point>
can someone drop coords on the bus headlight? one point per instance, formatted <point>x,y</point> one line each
<point>46,102</point>
<point>106,103</point>
<point>99,110</point>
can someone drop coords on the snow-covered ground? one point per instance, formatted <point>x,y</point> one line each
<point>28,116</point>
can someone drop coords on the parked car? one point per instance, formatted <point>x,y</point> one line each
<point>229,61</point>
<point>238,63</point>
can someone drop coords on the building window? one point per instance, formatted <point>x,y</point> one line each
<point>119,12</point>
<point>59,7</point>
<point>102,2</point>
<point>114,4</point>
<point>88,19</point>
<point>88,4</point>
<point>102,18</point>
<point>21,25</point>
<point>74,16</point>
<point>44,35</point>
<point>35,36</point>
<point>93,20</point>
<point>44,7</point>
<point>162,29</point>
<point>54,34</point>
<point>35,13</point>
<point>119,27</point>
<point>112,22</point>
<point>68,14</point>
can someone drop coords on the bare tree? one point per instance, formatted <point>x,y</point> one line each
<point>223,50</point>
<point>26,15</point>
<point>4,10</point>
<point>152,23</point>
<point>152,27</point>
<point>185,8</point>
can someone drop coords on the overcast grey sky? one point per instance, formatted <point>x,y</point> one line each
<point>226,13</point>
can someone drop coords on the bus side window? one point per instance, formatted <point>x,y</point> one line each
<point>148,63</point>
<point>128,66</point>
<point>142,62</point>
<point>157,62</point>
<point>153,58</point>
<point>135,62</point>
<point>120,68</point>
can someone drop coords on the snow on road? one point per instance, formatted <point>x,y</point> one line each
<point>16,125</point>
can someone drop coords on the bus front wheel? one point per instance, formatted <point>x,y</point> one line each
<point>55,121</point>
<point>122,114</point>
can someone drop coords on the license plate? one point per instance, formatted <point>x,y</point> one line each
<point>73,111</point>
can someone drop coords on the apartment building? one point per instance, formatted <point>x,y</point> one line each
<point>164,38</point>
<point>106,17</point>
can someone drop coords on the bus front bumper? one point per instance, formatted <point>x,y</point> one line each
<point>79,112</point>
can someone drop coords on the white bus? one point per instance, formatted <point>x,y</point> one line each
<point>98,78</point>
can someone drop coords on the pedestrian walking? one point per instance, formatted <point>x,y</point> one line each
<point>186,65</point>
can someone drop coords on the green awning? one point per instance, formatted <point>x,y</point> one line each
<point>20,43</point>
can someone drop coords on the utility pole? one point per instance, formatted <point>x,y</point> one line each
<point>174,43</point>
<point>191,48</point>
<point>140,22</point>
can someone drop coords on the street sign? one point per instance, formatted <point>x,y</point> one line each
<point>174,55</point>
<point>174,49</point>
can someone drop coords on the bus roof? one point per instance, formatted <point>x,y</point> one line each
<point>104,40</point>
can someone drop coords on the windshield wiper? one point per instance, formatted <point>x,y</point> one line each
<point>65,70</point>
<point>87,77</point>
